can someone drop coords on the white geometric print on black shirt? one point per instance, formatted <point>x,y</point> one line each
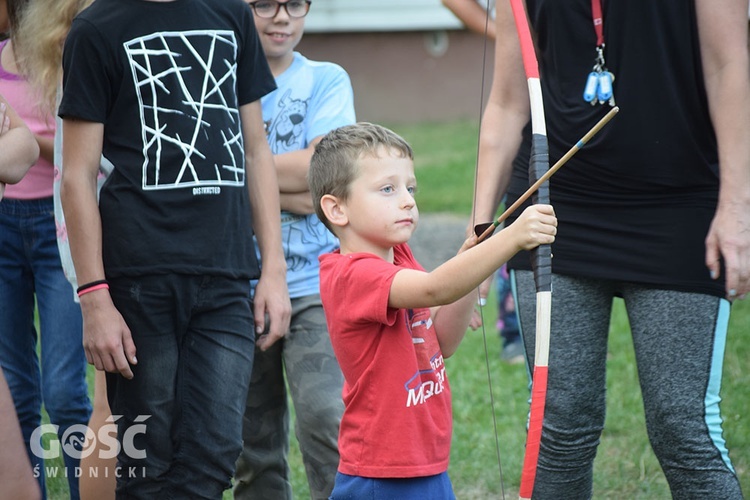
<point>186,88</point>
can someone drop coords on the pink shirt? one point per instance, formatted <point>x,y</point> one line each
<point>16,90</point>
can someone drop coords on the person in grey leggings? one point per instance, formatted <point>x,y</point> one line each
<point>677,337</point>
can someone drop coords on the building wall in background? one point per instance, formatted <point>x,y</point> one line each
<point>409,60</point>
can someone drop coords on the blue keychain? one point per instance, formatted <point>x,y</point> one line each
<point>598,88</point>
<point>604,90</point>
<point>589,91</point>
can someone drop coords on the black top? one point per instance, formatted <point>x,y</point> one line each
<point>636,202</point>
<point>167,79</point>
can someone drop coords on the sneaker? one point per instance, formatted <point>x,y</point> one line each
<point>513,353</point>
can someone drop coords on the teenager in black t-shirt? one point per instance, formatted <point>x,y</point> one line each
<point>168,92</point>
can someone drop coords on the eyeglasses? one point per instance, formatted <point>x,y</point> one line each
<point>269,9</point>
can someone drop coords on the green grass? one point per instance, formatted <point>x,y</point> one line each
<point>625,465</point>
<point>445,156</point>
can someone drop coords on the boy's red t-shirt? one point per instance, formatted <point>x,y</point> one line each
<point>397,421</point>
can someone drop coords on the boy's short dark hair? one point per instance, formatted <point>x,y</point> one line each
<point>334,164</point>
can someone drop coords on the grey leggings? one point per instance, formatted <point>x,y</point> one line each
<point>679,341</point>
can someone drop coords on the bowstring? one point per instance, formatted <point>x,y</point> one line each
<point>473,223</point>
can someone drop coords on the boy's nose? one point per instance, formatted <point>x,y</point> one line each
<point>408,200</point>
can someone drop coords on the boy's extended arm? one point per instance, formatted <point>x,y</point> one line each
<point>723,38</point>
<point>106,338</point>
<point>463,273</point>
<point>271,293</point>
<point>19,149</point>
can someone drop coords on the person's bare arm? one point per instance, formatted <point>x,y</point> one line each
<point>724,49</point>
<point>19,149</point>
<point>291,170</point>
<point>506,113</point>
<point>297,203</point>
<point>271,293</point>
<point>292,167</point>
<point>46,147</point>
<point>106,338</point>
<point>473,15</point>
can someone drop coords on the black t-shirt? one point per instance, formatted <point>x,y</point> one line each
<point>167,79</point>
<point>636,202</point>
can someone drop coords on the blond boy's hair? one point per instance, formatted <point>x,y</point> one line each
<point>333,167</point>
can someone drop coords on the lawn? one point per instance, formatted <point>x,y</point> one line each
<point>491,424</point>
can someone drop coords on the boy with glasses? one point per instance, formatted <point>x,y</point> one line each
<point>312,98</point>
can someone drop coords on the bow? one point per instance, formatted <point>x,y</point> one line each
<point>541,259</point>
<point>539,173</point>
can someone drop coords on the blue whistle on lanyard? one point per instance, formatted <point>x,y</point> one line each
<point>604,89</point>
<point>592,83</point>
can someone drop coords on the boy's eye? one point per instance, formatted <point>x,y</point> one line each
<point>412,190</point>
<point>387,189</point>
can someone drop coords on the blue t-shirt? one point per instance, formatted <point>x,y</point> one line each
<point>312,98</point>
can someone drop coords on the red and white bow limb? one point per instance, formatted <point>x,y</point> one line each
<point>541,257</point>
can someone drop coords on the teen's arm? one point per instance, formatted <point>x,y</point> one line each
<point>271,293</point>
<point>46,147</point>
<point>724,49</point>
<point>297,203</point>
<point>106,338</point>
<point>19,149</point>
<point>291,170</point>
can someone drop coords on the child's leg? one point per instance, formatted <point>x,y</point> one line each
<point>64,388</point>
<point>315,382</point>
<point>262,469</point>
<point>507,318</point>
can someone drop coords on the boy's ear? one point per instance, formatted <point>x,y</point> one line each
<point>333,210</point>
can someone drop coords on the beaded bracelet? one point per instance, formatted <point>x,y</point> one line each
<point>91,287</point>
